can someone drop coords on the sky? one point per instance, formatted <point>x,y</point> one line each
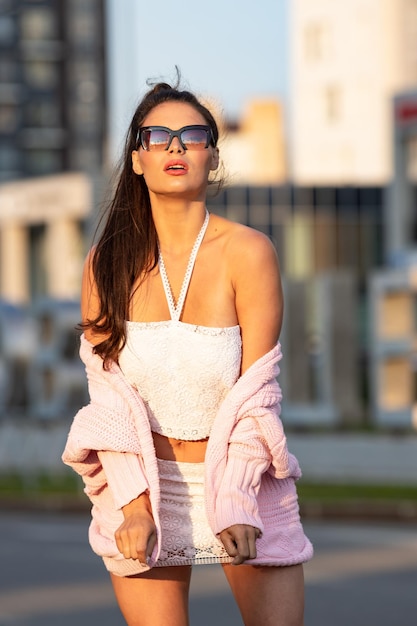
<point>227,50</point>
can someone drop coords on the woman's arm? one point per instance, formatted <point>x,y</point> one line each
<point>259,307</point>
<point>90,300</point>
<point>258,293</point>
<point>125,476</point>
<point>136,537</point>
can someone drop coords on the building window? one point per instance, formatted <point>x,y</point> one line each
<point>84,81</point>
<point>8,71</point>
<point>41,74</point>
<point>39,162</point>
<point>314,42</point>
<point>332,103</point>
<point>85,117</point>
<point>84,30</point>
<point>85,159</point>
<point>39,24</point>
<point>8,118</point>
<point>9,158</point>
<point>43,114</point>
<point>7,30</point>
<point>9,162</point>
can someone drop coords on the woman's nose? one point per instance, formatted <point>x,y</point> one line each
<point>175,145</point>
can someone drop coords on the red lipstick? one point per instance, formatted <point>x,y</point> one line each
<point>176,167</point>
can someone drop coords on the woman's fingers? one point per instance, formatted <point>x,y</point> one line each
<point>240,542</point>
<point>131,546</point>
<point>151,545</point>
<point>136,539</point>
<point>229,543</point>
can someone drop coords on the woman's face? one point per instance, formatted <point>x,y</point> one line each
<point>177,171</point>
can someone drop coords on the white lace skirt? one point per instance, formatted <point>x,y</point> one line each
<point>186,535</point>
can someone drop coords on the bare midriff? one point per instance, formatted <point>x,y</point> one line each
<point>179,450</point>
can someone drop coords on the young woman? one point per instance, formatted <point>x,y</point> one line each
<point>181,447</point>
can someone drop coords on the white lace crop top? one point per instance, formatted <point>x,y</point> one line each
<point>182,371</point>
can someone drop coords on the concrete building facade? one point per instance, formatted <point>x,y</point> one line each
<point>348,61</point>
<point>41,237</point>
<point>255,151</point>
<point>52,86</point>
<point>52,121</point>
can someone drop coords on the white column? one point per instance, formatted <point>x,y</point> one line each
<point>14,263</point>
<point>63,259</point>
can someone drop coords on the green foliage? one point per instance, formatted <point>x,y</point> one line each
<point>21,485</point>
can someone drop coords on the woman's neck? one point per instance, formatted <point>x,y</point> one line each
<point>178,226</point>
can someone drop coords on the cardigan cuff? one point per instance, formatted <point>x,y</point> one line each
<point>236,502</point>
<point>124,474</point>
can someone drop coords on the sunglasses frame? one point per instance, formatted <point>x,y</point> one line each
<point>176,133</point>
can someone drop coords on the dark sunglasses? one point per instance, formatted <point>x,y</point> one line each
<point>195,137</point>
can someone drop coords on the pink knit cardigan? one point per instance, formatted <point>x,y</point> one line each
<point>249,473</point>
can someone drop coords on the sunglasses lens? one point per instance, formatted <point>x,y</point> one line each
<point>160,138</point>
<point>155,139</point>
<point>194,138</point>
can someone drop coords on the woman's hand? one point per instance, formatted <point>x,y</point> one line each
<point>136,537</point>
<point>239,541</point>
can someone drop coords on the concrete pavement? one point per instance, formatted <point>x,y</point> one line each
<point>361,574</point>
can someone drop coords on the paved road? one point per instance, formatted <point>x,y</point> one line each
<point>361,575</point>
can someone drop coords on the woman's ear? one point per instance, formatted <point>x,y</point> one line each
<point>215,159</point>
<point>136,166</point>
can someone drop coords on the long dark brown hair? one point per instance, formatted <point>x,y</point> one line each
<point>127,247</point>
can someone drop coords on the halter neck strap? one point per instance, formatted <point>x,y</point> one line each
<point>175,309</point>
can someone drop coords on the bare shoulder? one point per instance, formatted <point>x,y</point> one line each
<point>246,247</point>
<point>256,281</point>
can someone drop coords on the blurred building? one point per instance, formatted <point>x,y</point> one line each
<point>52,121</point>
<point>52,86</point>
<point>254,150</point>
<point>348,61</point>
<point>41,237</point>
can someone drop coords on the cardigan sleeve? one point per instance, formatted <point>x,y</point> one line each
<point>124,474</point>
<point>247,459</point>
<point>104,436</point>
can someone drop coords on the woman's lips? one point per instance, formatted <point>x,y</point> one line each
<point>176,167</point>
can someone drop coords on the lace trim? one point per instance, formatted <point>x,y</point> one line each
<point>197,560</point>
<point>213,331</point>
